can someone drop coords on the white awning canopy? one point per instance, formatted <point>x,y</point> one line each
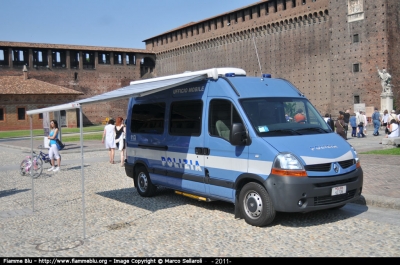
<point>141,89</point>
<point>135,89</point>
<point>144,87</point>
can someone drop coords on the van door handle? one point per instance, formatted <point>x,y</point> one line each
<point>206,151</point>
<point>202,151</point>
<point>198,150</point>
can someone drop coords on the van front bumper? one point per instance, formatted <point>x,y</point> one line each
<point>305,194</point>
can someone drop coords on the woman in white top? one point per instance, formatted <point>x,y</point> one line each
<point>120,132</point>
<point>109,134</point>
<point>393,129</point>
<point>385,118</point>
<point>365,123</point>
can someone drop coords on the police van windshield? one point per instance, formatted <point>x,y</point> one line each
<point>284,117</point>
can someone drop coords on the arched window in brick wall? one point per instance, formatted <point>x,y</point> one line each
<point>88,59</point>
<point>59,58</point>
<point>2,114</point>
<point>130,59</point>
<point>40,58</point>
<point>118,58</point>
<point>103,58</point>
<point>20,56</point>
<point>4,56</point>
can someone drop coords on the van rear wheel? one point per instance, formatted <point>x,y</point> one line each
<point>143,183</point>
<point>255,205</point>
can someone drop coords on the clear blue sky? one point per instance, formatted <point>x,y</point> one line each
<point>110,23</point>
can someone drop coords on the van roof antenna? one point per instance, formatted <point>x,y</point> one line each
<point>259,64</point>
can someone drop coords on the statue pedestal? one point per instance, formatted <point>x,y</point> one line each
<point>386,101</point>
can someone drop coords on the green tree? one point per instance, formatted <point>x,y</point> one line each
<point>290,108</point>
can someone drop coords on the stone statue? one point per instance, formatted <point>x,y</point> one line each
<point>385,80</point>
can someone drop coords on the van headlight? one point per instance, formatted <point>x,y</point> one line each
<point>286,164</point>
<point>356,158</point>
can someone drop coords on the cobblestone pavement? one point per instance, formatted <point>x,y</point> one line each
<point>120,223</point>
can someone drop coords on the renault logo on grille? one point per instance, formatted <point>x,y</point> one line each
<point>336,167</point>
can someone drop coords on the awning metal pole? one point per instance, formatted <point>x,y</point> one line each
<point>31,167</point>
<point>59,125</point>
<point>82,173</point>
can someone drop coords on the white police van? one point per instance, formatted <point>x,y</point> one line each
<point>219,135</point>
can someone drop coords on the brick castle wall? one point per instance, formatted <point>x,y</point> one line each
<point>393,46</point>
<point>91,82</point>
<point>310,44</point>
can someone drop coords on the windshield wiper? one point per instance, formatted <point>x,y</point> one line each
<point>285,131</point>
<point>313,129</point>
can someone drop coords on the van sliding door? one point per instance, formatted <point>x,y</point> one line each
<point>183,164</point>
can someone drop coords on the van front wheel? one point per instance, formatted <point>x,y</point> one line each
<point>144,186</point>
<point>255,205</point>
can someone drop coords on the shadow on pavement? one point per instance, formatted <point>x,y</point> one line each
<point>166,198</point>
<point>5,193</point>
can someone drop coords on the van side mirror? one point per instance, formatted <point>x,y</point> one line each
<point>239,135</point>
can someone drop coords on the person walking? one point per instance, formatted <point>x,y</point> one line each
<point>353,124</point>
<point>346,120</point>
<point>120,131</point>
<point>385,119</point>
<point>329,121</point>
<point>53,150</point>
<point>376,120</point>
<point>365,123</point>
<point>109,135</point>
<point>360,124</point>
<point>339,124</point>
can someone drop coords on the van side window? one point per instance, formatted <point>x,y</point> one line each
<point>185,118</point>
<point>148,118</point>
<point>221,116</point>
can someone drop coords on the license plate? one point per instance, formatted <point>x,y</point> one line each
<point>338,190</point>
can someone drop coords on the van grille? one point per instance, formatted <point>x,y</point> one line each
<point>325,200</point>
<point>318,167</point>
<point>327,166</point>
<point>334,183</point>
<point>347,163</point>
